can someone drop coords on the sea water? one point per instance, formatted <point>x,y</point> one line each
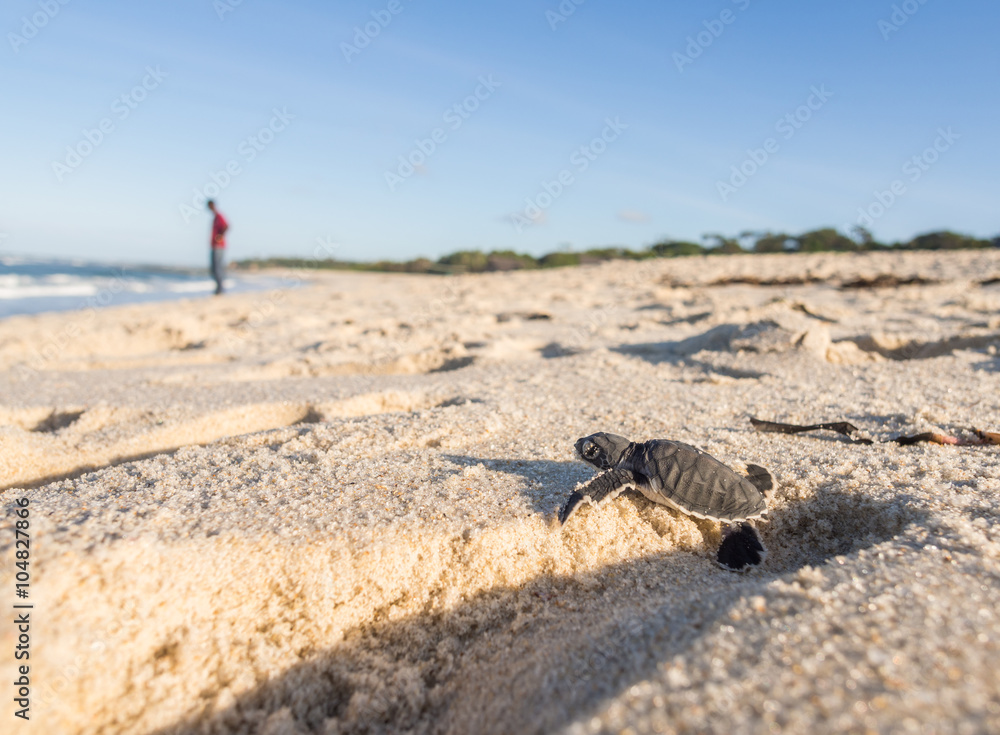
<point>31,286</point>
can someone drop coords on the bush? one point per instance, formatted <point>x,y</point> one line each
<point>559,260</point>
<point>676,248</point>
<point>508,260</point>
<point>599,255</point>
<point>470,260</point>
<point>772,242</point>
<point>420,265</point>
<point>823,240</point>
<point>944,241</point>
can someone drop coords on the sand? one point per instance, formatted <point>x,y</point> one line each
<point>331,509</point>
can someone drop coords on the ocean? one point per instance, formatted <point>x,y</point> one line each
<point>32,286</point>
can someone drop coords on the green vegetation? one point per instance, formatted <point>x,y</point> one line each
<point>825,239</point>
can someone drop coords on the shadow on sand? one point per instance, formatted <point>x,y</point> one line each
<point>535,657</point>
<point>679,354</point>
<point>538,473</point>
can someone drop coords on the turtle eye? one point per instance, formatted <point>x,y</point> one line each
<point>590,451</point>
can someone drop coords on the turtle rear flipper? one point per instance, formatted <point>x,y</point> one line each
<point>762,479</point>
<point>741,548</point>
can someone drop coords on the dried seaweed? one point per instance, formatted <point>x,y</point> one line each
<point>928,436</point>
<point>987,437</point>
<point>983,438</point>
<point>805,310</point>
<point>755,281</point>
<point>888,280</point>
<point>841,427</point>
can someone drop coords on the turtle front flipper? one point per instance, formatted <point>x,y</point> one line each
<point>599,490</point>
<point>741,548</point>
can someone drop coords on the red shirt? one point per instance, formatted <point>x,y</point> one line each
<point>219,227</point>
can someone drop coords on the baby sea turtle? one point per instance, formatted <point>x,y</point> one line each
<point>685,478</point>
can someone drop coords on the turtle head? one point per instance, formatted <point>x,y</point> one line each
<point>601,450</point>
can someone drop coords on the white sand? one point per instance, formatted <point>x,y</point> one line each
<point>331,509</point>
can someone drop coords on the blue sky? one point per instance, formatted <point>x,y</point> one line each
<point>314,118</point>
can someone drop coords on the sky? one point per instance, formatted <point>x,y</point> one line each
<point>404,128</point>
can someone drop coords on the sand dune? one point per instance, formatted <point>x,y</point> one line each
<point>332,508</point>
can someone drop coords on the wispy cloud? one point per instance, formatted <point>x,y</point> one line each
<point>633,215</point>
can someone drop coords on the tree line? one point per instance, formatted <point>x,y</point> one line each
<point>826,239</point>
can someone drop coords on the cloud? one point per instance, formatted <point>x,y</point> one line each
<point>523,218</point>
<point>633,215</point>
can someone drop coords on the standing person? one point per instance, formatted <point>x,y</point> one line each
<point>219,227</point>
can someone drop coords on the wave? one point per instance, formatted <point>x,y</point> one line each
<point>30,286</point>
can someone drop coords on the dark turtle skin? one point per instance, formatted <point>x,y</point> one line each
<point>682,477</point>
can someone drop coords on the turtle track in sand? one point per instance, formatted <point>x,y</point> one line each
<point>49,443</point>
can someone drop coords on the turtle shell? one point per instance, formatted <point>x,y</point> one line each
<point>695,483</point>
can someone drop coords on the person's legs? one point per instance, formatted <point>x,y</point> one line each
<point>218,268</point>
